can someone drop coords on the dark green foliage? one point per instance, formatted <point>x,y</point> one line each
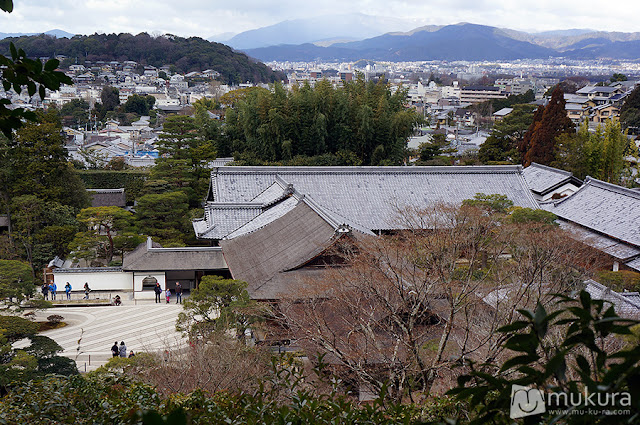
<point>139,104</point>
<point>566,351</point>
<point>185,152</point>
<point>78,400</point>
<point>429,151</point>
<point>132,180</point>
<point>362,118</point>
<point>164,216</point>
<point>39,148</point>
<point>493,203</point>
<point>529,215</point>
<point>18,72</point>
<point>75,113</point>
<point>105,399</point>
<point>218,305</point>
<point>630,111</point>
<point>15,328</point>
<point>618,77</point>
<point>39,189</point>
<point>512,100</point>
<point>622,280</point>
<point>16,280</point>
<point>502,144</point>
<point>187,54</point>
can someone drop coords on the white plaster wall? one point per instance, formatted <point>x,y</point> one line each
<point>138,276</point>
<point>98,281</point>
<point>566,190</point>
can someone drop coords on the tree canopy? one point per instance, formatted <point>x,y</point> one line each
<point>363,119</point>
<point>539,143</point>
<point>187,54</point>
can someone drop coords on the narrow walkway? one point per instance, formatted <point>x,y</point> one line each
<point>91,331</point>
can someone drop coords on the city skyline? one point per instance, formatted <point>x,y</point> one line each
<point>206,19</point>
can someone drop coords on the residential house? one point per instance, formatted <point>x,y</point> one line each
<point>479,94</point>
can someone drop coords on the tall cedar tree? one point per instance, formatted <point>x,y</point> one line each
<point>525,143</point>
<point>542,141</point>
<point>630,111</point>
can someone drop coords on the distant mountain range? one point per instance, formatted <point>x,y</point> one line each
<point>462,41</point>
<point>54,33</point>
<point>322,30</point>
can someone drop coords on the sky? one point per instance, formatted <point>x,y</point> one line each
<point>206,18</point>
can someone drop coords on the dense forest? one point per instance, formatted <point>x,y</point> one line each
<point>187,54</point>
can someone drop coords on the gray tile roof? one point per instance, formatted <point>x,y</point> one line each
<point>262,258</point>
<point>610,246</point>
<point>266,217</point>
<point>625,306</point>
<point>605,208</point>
<point>365,197</point>
<point>634,264</point>
<point>542,179</point>
<point>107,197</point>
<point>149,257</point>
<point>222,219</point>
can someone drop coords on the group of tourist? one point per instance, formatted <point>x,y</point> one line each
<point>52,289</point>
<point>120,350</point>
<point>167,293</point>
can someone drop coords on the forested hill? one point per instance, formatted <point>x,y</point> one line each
<point>187,54</point>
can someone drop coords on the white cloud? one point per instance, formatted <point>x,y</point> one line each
<point>205,18</point>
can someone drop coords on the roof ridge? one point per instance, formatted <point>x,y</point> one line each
<point>613,293</point>
<point>277,170</point>
<point>555,170</point>
<point>332,218</point>
<point>611,187</point>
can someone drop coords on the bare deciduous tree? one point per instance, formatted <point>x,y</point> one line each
<point>409,306</point>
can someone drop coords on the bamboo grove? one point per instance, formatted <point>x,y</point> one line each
<point>360,123</point>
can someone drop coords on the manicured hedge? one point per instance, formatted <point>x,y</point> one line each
<point>131,180</point>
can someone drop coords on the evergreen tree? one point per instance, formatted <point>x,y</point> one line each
<point>630,111</point>
<point>554,121</point>
<point>506,135</point>
<point>525,143</point>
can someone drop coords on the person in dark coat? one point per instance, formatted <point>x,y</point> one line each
<point>115,350</point>
<point>45,291</point>
<point>158,291</point>
<point>178,293</point>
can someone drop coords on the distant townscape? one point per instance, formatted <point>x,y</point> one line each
<point>433,226</point>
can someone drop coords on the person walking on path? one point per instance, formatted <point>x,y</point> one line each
<point>45,291</point>
<point>86,290</point>
<point>158,291</point>
<point>178,293</point>
<point>168,295</point>
<point>67,290</point>
<point>53,288</point>
<point>115,351</point>
<point>123,349</point>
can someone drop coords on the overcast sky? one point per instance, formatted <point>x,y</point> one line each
<point>205,18</point>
